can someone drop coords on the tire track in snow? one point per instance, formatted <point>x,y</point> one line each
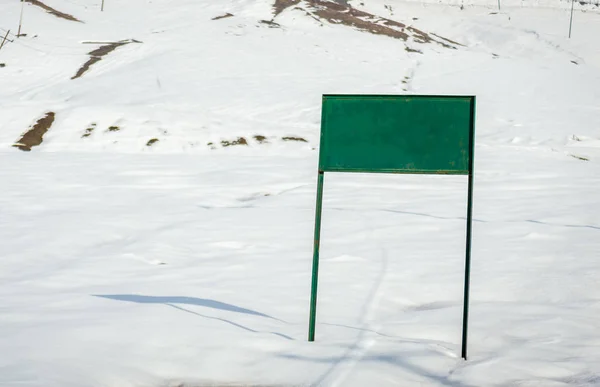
<point>360,347</point>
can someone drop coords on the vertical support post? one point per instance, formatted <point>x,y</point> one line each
<point>498,5</point>
<point>465,325</point>
<point>21,18</point>
<point>571,21</point>
<point>4,40</point>
<point>102,7</point>
<point>315,264</point>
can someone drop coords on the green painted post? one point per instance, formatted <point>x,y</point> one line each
<point>315,265</point>
<point>469,233</point>
<point>571,19</point>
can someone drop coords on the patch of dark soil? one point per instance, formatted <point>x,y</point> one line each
<point>35,135</point>
<point>580,158</point>
<point>89,131</point>
<point>53,11</point>
<point>239,141</point>
<point>151,141</point>
<point>281,5</point>
<point>336,12</point>
<point>408,49</point>
<point>261,139</point>
<point>113,128</point>
<point>310,15</point>
<point>2,65</point>
<point>222,16</point>
<point>300,139</point>
<point>96,56</point>
<point>448,40</point>
<point>270,23</point>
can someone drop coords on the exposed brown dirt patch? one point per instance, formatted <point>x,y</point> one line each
<point>344,14</point>
<point>408,49</point>
<point>151,141</point>
<point>341,13</point>
<point>281,5</point>
<point>300,139</point>
<point>579,157</point>
<point>35,135</point>
<point>222,16</point>
<point>96,56</point>
<point>113,129</point>
<point>53,11</point>
<point>239,141</point>
<point>261,139</point>
<point>448,40</point>
<point>89,131</point>
<point>270,23</point>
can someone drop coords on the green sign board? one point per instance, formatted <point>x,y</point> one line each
<point>396,134</point>
<point>408,134</point>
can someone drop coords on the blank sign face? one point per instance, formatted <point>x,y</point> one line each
<point>397,134</point>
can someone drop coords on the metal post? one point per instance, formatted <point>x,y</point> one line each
<point>571,21</point>
<point>102,7</point>
<point>498,5</point>
<point>315,265</point>
<point>21,18</point>
<point>4,40</point>
<point>465,326</point>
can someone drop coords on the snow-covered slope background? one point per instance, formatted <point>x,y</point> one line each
<point>161,231</point>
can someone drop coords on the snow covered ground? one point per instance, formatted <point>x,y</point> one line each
<point>187,262</point>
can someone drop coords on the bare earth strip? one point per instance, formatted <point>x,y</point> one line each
<point>222,16</point>
<point>53,11</point>
<point>96,56</point>
<point>341,13</point>
<point>34,136</point>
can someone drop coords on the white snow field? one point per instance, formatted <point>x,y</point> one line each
<point>175,248</point>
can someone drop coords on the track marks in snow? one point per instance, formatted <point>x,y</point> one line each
<point>341,370</point>
<point>139,258</point>
<point>407,81</point>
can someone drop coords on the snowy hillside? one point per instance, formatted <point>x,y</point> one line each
<point>158,190</point>
<point>193,83</point>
